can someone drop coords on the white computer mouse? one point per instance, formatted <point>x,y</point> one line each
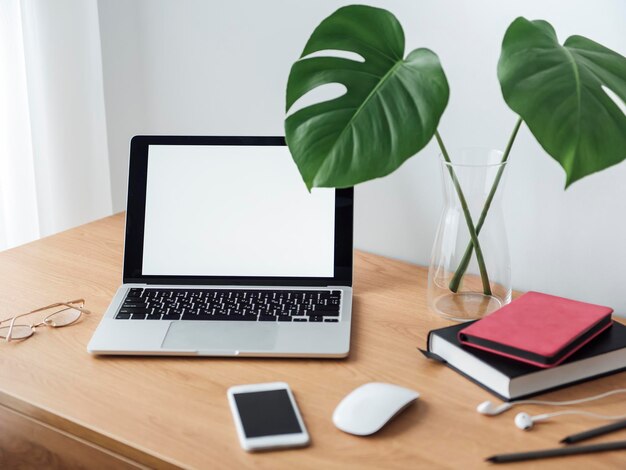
<point>368,408</point>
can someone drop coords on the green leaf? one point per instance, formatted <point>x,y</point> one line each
<point>389,112</point>
<point>557,91</point>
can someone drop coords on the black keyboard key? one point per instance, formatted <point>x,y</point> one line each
<point>136,310</point>
<point>153,317</point>
<point>123,316</point>
<point>316,318</point>
<point>241,318</point>
<point>134,306</point>
<point>329,314</point>
<point>300,319</point>
<point>197,317</point>
<point>139,316</point>
<point>284,318</point>
<point>326,308</point>
<point>171,316</point>
<point>135,292</point>
<point>267,318</point>
<point>331,320</point>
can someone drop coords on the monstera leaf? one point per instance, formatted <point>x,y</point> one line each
<point>557,90</point>
<point>389,112</point>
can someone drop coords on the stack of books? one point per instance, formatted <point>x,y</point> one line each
<point>535,344</point>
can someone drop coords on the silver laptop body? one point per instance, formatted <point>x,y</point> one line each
<point>228,254</point>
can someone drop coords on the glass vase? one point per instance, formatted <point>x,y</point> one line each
<point>460,286</point>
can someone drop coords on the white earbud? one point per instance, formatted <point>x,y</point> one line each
<point>489,409</point>
<point>525,422</point>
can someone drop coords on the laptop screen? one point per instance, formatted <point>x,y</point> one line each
<point>234,211</point>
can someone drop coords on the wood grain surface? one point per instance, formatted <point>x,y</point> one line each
<point>172,412</point>
<point>27,443</point>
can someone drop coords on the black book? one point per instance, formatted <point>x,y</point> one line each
<point>512,380</point>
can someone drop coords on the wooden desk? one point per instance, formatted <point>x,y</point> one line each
<point>60,406</point>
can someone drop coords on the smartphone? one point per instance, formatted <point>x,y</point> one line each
<point>266,416</point>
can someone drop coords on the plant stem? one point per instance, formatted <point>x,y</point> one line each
<point>467,256</point>
<point>468,217</point>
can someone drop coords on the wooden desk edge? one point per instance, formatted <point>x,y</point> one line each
<point>101,440</point>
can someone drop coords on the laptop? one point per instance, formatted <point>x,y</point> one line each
<point>227,254</point>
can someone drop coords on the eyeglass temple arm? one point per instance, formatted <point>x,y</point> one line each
<point>78,301</point>
<point>65,304</point>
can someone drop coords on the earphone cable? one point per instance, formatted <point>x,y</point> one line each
<point>570,402</point>
<point>581,412</point>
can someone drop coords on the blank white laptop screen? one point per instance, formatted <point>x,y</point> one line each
<point>234,211</point>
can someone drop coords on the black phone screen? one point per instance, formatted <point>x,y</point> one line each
<point>267,413</point>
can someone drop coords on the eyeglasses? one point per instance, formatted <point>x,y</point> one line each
<point>60,317</point>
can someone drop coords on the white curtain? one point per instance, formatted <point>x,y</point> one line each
<point>54,169</point>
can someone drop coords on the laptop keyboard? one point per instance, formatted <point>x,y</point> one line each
<point>231,305</point>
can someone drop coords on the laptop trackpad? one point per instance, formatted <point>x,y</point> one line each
<point>220,336</point>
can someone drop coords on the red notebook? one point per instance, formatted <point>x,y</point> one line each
<point>539,329</point>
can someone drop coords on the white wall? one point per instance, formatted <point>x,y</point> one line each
<point>207,67</point>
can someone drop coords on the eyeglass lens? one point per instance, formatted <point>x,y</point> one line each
<point>63,317</point>
<point>19,332</point>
